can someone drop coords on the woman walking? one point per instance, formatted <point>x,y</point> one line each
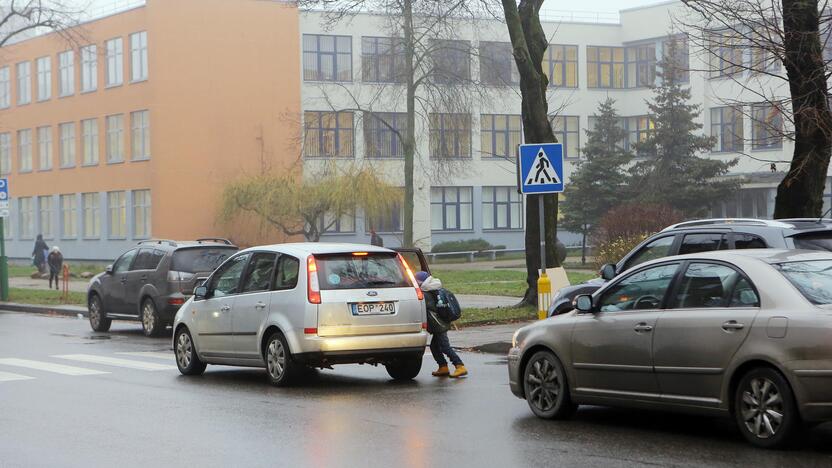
<point>39,254</point>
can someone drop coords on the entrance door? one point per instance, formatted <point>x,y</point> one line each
<point>213,314</point>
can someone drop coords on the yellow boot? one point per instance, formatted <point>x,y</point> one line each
<point>441,372</point>
<point>459,371</point>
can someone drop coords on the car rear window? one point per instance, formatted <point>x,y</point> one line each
<point>814,241</point>
<point>813,279</point>
<point>352,271</point>
<point>200,259</point>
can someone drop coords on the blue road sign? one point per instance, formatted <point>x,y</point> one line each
<point>541,168</point>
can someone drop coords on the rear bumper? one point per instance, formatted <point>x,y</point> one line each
<point>362,343</point>
<point>360,356</point>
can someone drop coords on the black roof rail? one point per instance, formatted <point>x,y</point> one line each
<point>220,240</point>
<point>172,243</point>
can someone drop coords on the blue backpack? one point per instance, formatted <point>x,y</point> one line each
<point>447,306</point>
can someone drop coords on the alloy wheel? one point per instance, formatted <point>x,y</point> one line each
<point>95,312</point>
<point>543,384</point>
<point>762,408</point>
<point>148,316</point>
<point>184,350</point>
<point>276,359</point>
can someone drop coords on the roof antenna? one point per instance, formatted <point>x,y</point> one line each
<point>820,220</point>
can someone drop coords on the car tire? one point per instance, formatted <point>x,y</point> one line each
<point>280,366</point>
<point>404,369</point>
<point>98,318</point>
<point>546,387</point>
<point>765,409</point>
<point>187,359</point>
<point>151,323</point>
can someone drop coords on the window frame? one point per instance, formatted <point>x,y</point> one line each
<point>550,62</point>
<point>737,139</point>
<point>282,257</point>
<point>376,130</point>
<point>89,142</point>
<point>66,73</point>
<point>683,268</point>
<point>455,205</point>
<point>24,82</point>
<point>247,272</point>
<point>114,63</point>
<point>442,131</point>
<point>509,135</point>
<point>624,264</point>
<point>335,54</point>
<point>567,135</point>
<point>621,278</point>
<point>24,151</point>
<point>139,53</point>
<point>5,87</point>
<point>47,145</point>
<point>393,60</point>
<point>497,65</point>
<point>89,68</point>
<point>448,66</point>
<point>339,132</point>
<point>494,206</point>
<point>221,269</point>
<point>598,65</point>
<point>767,129</point>
<point>44,77</point>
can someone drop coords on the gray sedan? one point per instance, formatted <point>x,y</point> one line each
<point>740,333</point>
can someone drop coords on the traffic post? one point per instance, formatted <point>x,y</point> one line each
<point>540,171</point>
<point>4,261</point>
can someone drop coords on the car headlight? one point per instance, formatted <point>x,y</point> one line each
<point>514,339</point>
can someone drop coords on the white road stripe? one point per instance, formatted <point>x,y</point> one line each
<point>8,376</point>
<point>111,361</point>
<point>49,367</point>
<point>151,354</point>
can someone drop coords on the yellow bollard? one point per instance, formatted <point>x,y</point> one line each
<point>544,295</point>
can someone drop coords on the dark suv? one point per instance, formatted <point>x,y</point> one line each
<point>706,235</point>
<point>149,282</point>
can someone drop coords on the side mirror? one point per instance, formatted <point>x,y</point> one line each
<point>583,303</point>
<point>608,271</point>
<point>200,292</point>
<point>108,269</point>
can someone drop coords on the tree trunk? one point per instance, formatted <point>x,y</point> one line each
<point>529,43</point>
<point>583,246</point>
<point>800,194</point>
<point>410,136</point>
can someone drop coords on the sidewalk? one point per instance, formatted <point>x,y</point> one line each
<point>29,283</point>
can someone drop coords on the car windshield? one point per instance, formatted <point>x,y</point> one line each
<point>814,241</point>
<point>200,259</point>
<point>813,279</point>
<point>350,271</point>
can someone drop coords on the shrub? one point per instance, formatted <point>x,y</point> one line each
<point>614,250</point>
<point>631,220</point>
<point>465,246</point>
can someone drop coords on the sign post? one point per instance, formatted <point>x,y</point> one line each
<point>541,172</point>
<point>4,261</point>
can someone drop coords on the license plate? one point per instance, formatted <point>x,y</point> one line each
<point>373,308</point>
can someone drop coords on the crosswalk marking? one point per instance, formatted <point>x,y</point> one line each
<point>151,354</point>
<point>49,367</point>
<point>8,376</point>
<point>110,361</point>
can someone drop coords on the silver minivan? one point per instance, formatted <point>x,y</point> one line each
<point>287,307</point>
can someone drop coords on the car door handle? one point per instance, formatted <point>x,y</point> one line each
<point>643,327</point>
<point>143,278</point>
<point>123,279</point>
<point>260,305</point>
<point>225,308</point>
<point>732,325</point>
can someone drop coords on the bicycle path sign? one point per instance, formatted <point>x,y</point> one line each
<point>541,168</point>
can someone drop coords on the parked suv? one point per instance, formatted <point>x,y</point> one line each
<point>707,235</point>
<point>290,306</point>
<point>149,282</point>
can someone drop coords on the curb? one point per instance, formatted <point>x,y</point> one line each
<point>66,310</point>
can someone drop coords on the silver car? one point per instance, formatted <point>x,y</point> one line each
<point>290,306</point>
<point>742,333</point>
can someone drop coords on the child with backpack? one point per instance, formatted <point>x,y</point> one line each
<point>442,308</point>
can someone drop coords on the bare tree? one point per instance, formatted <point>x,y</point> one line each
<point>21,18</point>
<point>776,32</point>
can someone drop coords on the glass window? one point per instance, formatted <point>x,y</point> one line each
<point>24,83</point>
<point>44,148</point>
<point>140,135</point>
<point>655,249</point>
<point>726,53</point>
<point>24,150</point>
<point>5,153</point>
<point>66,69</point>
<point>605,67</point>
<point>695,243</point>
<point>44,65</point>
<point>27,218</point>
<point>383,134</point>
<point>814,241</point>
<point>5,88</point>
<point>46,211</point>
<point>115,138</point>
<point>727,129</point>
<point>141,214</point>
<point>89,141</point>
<point>450,135</point>
<point>327,58</point>
<point>347,271</point>
<point>451,61</point>
<point>92,215</point>
<point>642,290</point>
<point>138,56</point>
<point>89,68</point>
<point>69,217</point>
<point>744,295</point>
<point>382,60</point>
<point>705,285</point>
<point>117,207</point>
<point>287,273</point>
<point>328,134</point>
<point>497,66</point>
<point>390,222</point>
<point>115,61</point>
<point>147,259</point>
<point>67,144</point>
<point>330,224</point>
<point>123,263</point>
<point>200,259</point>
<point>500,135</point>
<point>639,129</point>
<point>502,208</point>
<point>641,66</point>
<point>259,272</point>
<point>812,278</point>
<point>676,52</point>
<point>227,279</point>
<point>766,127</point>
<point>567,131</point>
<point>560,64</point>
<point>763,58</point>
<point>451,208</point>
<point>748,241</point>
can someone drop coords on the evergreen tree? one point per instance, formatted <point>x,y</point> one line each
<point>597,183</point>
<point>673,173</point>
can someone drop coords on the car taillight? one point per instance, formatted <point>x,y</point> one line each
<point>176,301</point>
<point>419,294</point>
<point>313,289</point>
<point>424,325</point>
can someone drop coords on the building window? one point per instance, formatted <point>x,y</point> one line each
<point>141,214</point>
<point>391,221</point>
<point>138,56</point>
<point>497,65</point>
<point>502,208</point>
<point>67,144</point>
<point>44,148</point>
<point>328,134</point>
<point>382,60</point>
<point>327,58</point>
<point>89,68</point>
<point>47,209</point>
<point>44,65</point>
<point>5,153</point>
<point>560,64</point>
<point>451,61</point>
<point>66,69</point>
<point>24,150</point>
<point>747,203</point>
<point>92,215</point>
<point>89,141</point>
<point>450,135</point>
<point>5,88</point>
<point>140,135</point>
<point>117,209</point>
<point>567,131</point>
<point>69,217</point>
<point>451,208</point>
<point>115,138</point>
<point>641,66</point>
<point>726,53</point>
<point>727,129</point>
<point>676,52</point>
<point>115,62</point>
<point>766,127</point>
<point>27,218</point>
<point>605,67</point>
<point>340,225</point>
<point>24,83</point>
<point>383,133</point>
<point>500,135</point>
<point>639,129</point>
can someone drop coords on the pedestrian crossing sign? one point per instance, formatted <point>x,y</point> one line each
<point>541,168</point>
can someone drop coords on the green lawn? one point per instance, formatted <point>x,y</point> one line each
<point>44,297</point>
<point>493,282</point>
<point>497,315</point>
<point>25,271</point>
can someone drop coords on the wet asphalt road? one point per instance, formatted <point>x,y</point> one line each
<point>146,414</point>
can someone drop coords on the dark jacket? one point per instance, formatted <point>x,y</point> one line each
<point>38,252</point>
<point>376,240</point>
<point>435,323</point>
<point>55,261</point>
